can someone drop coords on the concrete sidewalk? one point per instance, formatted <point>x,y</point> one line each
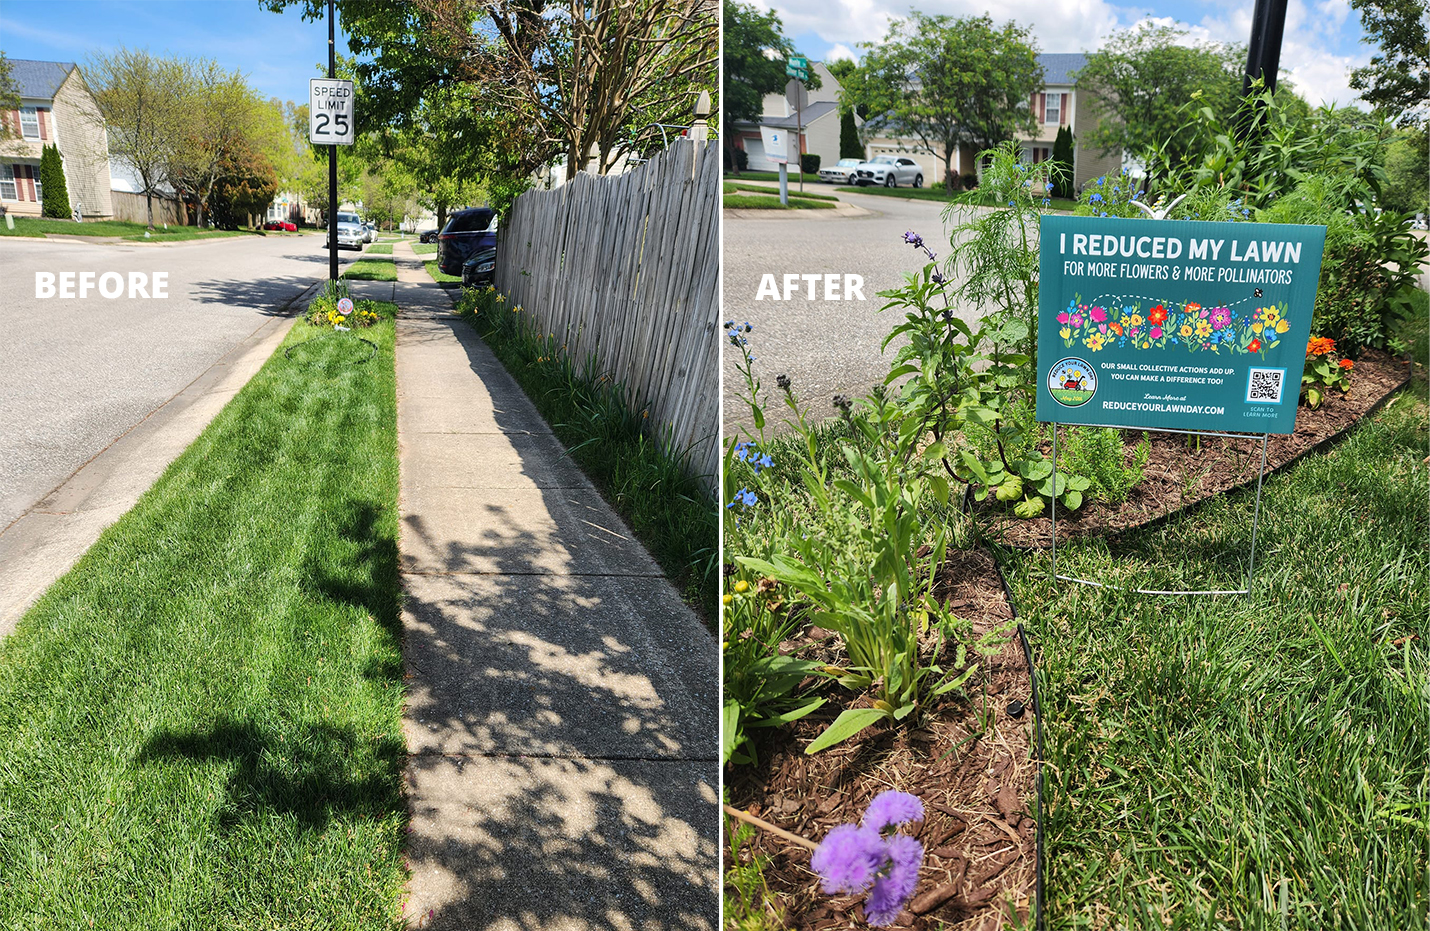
<point>561,713</point>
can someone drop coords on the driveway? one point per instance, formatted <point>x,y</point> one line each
<point>75,375</point>
<point>826,347</point>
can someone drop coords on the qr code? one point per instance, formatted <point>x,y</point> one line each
<point>1265,386</point>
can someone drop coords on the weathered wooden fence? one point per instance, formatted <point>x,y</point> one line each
<point>131,207</point>
<point>626,269</point>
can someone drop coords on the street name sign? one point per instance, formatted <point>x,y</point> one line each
<point>330,111</point>
<point>797,66</point>
<point>1174,324</point>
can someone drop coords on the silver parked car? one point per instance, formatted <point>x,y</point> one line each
<point>890,171</point>
<point>841,172</point>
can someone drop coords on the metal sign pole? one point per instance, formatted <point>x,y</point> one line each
<point>332,168</point>
<point>1255,514</point>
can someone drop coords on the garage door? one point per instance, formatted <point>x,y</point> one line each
<point>758,162</point>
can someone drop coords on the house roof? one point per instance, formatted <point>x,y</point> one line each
<point>39,78</point>
<point>809,114</point>
<point>1061,67</point>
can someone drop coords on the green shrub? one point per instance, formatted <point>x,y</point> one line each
<point>52,181</point>
<point>849,144</point>
<point>809,163</point>
<point>742,160</point>
<point>970,180</point>
<point>1063,158</point>
<point>1097,453</point>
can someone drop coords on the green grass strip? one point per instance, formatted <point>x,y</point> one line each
<point>666,507</point>
<point>377,269</point>
<point>438,275</point>
<point>381,248</point>
<point>731,188</point>
<point>1255,761</point>
<point>424,248</point>
<point>973,198</point>
<point>201,721</point>
<point>762,202</point>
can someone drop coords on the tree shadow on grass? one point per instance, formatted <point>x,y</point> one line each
<point>312,773</point>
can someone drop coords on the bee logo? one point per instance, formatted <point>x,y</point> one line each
<point>1072,382</point>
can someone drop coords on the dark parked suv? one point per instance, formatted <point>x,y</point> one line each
<point>467,232</point>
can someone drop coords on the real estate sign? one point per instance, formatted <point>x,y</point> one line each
<point>1174,324</point>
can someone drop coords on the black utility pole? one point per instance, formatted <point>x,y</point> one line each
<point>333,164</point>
<point>1263,56</point>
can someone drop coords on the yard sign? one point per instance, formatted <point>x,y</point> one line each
<point>1174,324</point>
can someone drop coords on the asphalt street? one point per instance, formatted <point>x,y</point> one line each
<point>826,347</point>
<point>77,374</point>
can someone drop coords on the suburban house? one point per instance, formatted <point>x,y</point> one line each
<point>56,108</point>
<point>820,116</point>
<point>1059,103</point>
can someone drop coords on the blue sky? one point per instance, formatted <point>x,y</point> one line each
<point>1321,45</point>
<point>277,52</point>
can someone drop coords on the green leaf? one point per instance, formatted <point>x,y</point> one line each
<point>788,716</point>
<point>730,731</point>
<point>758,415</point>
<point>1072,499</point>
<point>850,722</point>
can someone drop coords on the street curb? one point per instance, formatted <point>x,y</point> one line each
<point>45,541</point>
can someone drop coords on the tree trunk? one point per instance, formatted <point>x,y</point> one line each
<point>441,217</point>
<point>149,206</point>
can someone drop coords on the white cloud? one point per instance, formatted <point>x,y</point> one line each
<point>840,51</point>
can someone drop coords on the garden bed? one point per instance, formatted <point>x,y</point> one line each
<point>978,792</point>
<point>1178,474</point>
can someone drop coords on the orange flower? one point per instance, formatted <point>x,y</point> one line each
<point>1319,346</point>
<point>1157,315</point>
<point>1347,364</point>
<point>1116,328</point>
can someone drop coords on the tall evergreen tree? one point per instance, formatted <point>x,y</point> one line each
<point>1063,158</point>
<point>52,181</point>
<point>849,144</point>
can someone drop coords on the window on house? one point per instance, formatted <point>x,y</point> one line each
<point>29,123</point>
<point>1052,111</point>
<point>7,182</point>
<point>39,188</point>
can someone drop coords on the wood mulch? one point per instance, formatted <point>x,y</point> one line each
<point>979,791</point>
<point>1180,474</point>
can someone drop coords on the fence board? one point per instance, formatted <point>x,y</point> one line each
<point>625,269</point>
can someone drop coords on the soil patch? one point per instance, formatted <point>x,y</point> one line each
<point>978,786</point>
<point>1180,474</point>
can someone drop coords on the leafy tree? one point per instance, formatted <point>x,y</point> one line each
<point>9,95</point>
<point>947,82</point>
<point>222,119</point>
<point>849,144</point>
<point>750,73</point>
<point>1143,76</point>
<point>1407,169</point>
<point>1397,81</point>
<point>52,181</point>
<point>1063,159</point>
<point>141,102</point>
<point>246,185</point>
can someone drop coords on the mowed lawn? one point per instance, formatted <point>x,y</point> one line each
<point>1258,762</point>
<point>201,722</point>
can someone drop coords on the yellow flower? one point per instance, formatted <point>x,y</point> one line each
<point>1256,328</point>
<point>1186,331</point>
<point>1282,326</point>
<point>742,586</point>
<point>1272,316</point>
<point>1094,341</point>
<point>727,598</point>
<point>1065,333</point>
<point>501,298</point>
<point>1204,327</point>
<point>1135,319</point>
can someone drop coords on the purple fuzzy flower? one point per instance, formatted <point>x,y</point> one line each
<point>895,885</point>
<point>890,808</point>
<point>914,239</point>
<point>849,858</point>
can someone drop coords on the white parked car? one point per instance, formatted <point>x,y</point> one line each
<point>890,171</point>
<point>350,232</point>
<point>841,172</point>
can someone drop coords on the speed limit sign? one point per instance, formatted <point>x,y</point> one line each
<point>330,112</point>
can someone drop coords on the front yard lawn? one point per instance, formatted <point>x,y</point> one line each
<point>439,276</point>
<point>40,227</point>
<point>1260,757</point>
<point>202,721</point>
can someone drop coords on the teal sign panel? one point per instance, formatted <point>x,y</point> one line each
<point>1174,324</point>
